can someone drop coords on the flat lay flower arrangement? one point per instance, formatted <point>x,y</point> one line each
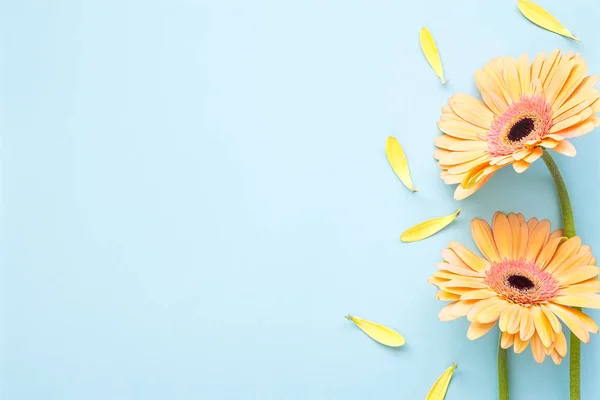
<point>527,278</point>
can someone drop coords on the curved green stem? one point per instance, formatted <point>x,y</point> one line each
<point>563,195</point>
<point>569,227</point>
<point>503,391</point>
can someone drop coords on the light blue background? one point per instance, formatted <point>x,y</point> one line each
<point>195,193</point>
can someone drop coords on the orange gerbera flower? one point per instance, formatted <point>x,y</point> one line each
<point>525,107</point>
<point>526,281</point>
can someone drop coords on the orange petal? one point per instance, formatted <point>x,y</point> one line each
<point>548,252</point>
<point>564,253</point>
<point>459,128</point>
<point>587,300</point>
<point>477,330</point>
<point>560,344</point>
<point>484,239</point>
<point>471,110</point>
<point>537,349</point>
<point>526,325</point>
<point>520,166</point>
<point>471,259</point>
<point>502,235</point>
<point>445,313</point>
<point>492,313</point>
<point>571,320</point>
<point>461,193</point>
<point>566,148</point>
<point>463,307</point>
<point>479,294</point>
<point>482,305</point>
<point>507,340</point>
<point>538,237</point>
<point>554,322</point>
<point>576,275</point>
<point>519,345</point>
<point>542,326</point>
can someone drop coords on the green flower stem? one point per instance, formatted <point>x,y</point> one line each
<point>503,392</point>
<point>569,227</point>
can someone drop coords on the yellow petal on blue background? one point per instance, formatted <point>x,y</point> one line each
<point>428,228</point>
<point>440,387</point>
<point>397,159</point>
<point>539,16</point>
<point>431,53</point>
<point>379,333</point>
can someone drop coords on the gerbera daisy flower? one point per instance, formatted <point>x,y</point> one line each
<point>525,107</point>
<point>527,280</point>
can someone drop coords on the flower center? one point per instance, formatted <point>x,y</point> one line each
<point>520,282</point>
<point>521,129</point>
<point>522,124</point>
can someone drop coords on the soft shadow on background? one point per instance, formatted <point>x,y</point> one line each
<point>195,193</point>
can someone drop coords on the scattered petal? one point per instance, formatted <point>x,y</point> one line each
<point>543,18</point>
<point>431,53</point>
<point>440,387</point>
<point>428,228</point>
<point>397,158</point>
<point>379,333</point>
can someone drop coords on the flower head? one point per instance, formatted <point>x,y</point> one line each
<point>525,107</point>
<point>527,280</point>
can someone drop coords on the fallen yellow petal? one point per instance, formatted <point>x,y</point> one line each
<point>440,387</point>
<point>428,228</point>
<point>539,16</point>
<point>431,53</point>
<point>378,332</point>
<point>397,159</point>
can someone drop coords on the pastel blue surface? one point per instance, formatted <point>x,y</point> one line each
<point>195,193</point>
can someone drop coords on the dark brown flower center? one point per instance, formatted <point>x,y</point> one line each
<point>521,129</point>
<point>520,282</point>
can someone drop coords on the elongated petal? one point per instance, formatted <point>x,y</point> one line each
<point>543,18</point>
<point>502,235</point>
<point>537,349</point>
<point>471,259</point>
<point>445,313</point>
<point>428,228</point>
<point>479,294</point>
<point>380,333</point>
<point>526,326</point>
<point>483,305</point>
<point>507,340</point>
<point>440,387</point>
<point>431,53</point>
<point>484,239</point>
<point>492,313</point>
<point>463,307</point>
<point>587,300</point>
<point>542,326</point>
<point>560,344</point>
<point>548,252</point>
<point>554,322</point>
<point>578,274</point>
<point>477,330</point>
<point>570,319</point>
<point>397,159</point>
<point>520,345</point>
<point>538,237</point>
<point>472,110</point>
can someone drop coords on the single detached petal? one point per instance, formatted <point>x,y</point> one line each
<point>397,159</point>
<point>431,53</point>
<point>543,18</point>
<point>440,387</point>
<point>428,228</point>
<point>379,333</point>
